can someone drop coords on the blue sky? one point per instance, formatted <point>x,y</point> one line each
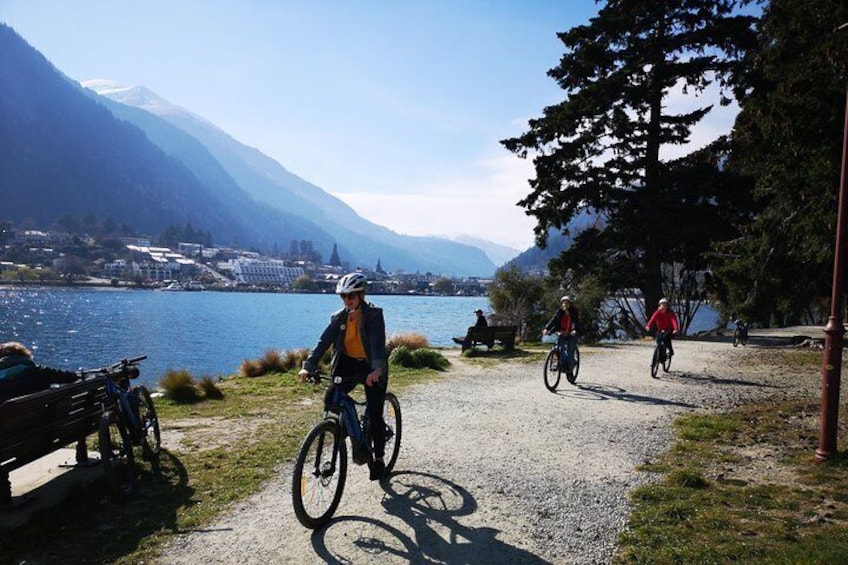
<point>396,107</point>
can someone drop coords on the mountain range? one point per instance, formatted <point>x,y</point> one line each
<point>125,154</point>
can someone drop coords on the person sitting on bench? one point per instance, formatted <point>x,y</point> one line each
<point>20,375</point>
<point>481,319</point>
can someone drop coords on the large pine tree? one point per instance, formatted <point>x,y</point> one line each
<point>600,147</point>
<point>788,139</point>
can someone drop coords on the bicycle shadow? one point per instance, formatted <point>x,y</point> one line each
<point>431,507</point>
<point>702,378</point>
<point>597,391</point>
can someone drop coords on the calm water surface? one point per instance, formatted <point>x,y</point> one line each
<point>208,333</point>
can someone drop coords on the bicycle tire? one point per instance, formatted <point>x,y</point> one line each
<point>151,444</point>
<point>317,487</point>
<point>116,456</point>
<point>551,370</point>
<point>736,338</point>
<point>666,363</point>
<point>575,365</point>
<point>655,362</point>
<point>394,429</point>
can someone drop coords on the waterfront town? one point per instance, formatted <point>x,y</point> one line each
<point>55,257</point>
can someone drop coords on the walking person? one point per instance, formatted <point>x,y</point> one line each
<point>566,323</point>
<point>357,333</point>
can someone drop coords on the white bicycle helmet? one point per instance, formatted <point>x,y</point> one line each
<point>566,298</point>
<point>351,282</point>
<point>663,301</point>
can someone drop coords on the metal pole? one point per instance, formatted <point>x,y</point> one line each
<point>834,330</point>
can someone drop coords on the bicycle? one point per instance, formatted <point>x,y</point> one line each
<point>556,360</point>
<point>129,419</point>
<point>740,334</point>
<point>662,355</point>
<point>320,470</point>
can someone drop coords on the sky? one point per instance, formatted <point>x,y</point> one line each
<point>396,107</point>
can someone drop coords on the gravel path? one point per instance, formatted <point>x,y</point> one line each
<point>494,468</point>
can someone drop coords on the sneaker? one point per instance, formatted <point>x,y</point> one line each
<point>377,469</point>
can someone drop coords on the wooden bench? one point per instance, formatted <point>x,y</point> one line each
<point>37,424</point>
<point>488,335</point>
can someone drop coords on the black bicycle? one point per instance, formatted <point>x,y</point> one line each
<point>557,362</point>
<point>662,354</point>
<point>740,334</point>
<point>320,470</point>
<point>129,420</point>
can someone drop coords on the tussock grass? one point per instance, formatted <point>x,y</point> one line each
<point>179,386</point>
<point>209,387</point>
<point>409,340</point>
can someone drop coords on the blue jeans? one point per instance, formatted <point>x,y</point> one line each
<point>566,342</point>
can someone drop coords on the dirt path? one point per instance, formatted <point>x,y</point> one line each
<point>495,469</point>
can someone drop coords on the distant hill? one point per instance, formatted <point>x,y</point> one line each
<point>267,181</point>
<point>499,254</point>
<point>66,152</point>
<point>535,259</point>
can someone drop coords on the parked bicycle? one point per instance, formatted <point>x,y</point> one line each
<point>320,470</point>
<point>556,363</point>
<point>662,355</point>
<point>740,334</point>
<point>129,420</point>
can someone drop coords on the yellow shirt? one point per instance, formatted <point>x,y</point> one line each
<point>352,339</point>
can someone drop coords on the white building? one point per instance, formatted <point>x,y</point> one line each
<point>264,271</point>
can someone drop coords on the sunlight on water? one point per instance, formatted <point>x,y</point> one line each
<point>208,333</point>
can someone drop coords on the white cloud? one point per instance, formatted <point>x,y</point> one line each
<point>483,206</point>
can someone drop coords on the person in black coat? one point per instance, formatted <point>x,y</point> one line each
<point>481,320</point>
<point>20,375</point>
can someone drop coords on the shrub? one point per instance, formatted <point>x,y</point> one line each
<point>430,358</point>
<point>401,356</point>
<point>251,368</point>
<point>272,362</point>
<point>408,340</point>
<point>179,386</point>
<point>210,388</point>
<point>418,358</point>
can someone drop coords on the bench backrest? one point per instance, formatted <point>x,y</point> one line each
<point>34,425</point>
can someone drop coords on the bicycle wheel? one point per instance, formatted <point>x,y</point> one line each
<point>666,360</point>
<point>551,370</point>
<point>736,338</point>
<point>394,427</point>
<point>575,365</point>
<point>317,481</point>
<point>151,443</point>
<point>655,362</point>
<point>116,455</point>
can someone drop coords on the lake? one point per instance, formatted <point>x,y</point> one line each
<point>207,333</point>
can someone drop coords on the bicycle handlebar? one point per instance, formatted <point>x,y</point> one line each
<point>120,366</point>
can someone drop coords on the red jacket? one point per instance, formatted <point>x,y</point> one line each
<point>664,321</point>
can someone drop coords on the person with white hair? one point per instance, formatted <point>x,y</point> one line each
<point>20,375</point>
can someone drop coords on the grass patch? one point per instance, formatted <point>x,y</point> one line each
<point>744,487</point>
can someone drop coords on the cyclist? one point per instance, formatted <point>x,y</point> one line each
<point>665,320</point>
<point>357,333</point>
<point>566,321</point>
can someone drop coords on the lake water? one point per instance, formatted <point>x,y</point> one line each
<point>208,333</point>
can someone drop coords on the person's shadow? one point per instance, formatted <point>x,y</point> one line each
<point>430,505</point>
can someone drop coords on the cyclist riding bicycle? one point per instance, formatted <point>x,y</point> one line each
<point>566,321</point>
<point>357,333</point>
<point>665,320</point>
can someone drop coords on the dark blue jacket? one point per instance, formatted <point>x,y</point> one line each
<point>19,375</point>
<point>372,329</point>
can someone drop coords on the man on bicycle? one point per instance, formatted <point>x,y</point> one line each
<point>566,322</point>
<point>357,333</point>
<point>665,320</point>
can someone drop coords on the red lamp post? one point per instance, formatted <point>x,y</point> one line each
<point>834,330</point>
